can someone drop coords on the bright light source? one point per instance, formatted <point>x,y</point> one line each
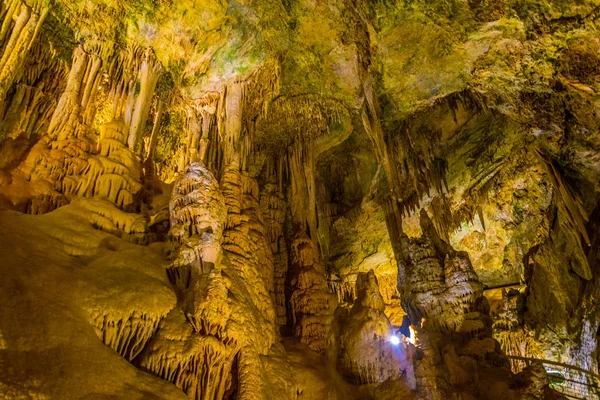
<point>395,340</point>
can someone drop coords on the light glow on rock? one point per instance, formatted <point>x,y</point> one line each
<point>413,334</point>
<point>395,340</point>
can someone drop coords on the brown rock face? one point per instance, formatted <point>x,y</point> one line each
<point>312,306</point>
<point>439,284</point>
<point>198,216</point>
<point>367,354</point>
<point>231,200</point>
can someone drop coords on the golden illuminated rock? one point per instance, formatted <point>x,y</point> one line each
<point>298,199</point>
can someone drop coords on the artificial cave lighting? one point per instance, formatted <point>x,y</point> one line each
<point>269,199</point>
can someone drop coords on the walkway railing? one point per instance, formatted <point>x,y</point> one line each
<point>572,381</point>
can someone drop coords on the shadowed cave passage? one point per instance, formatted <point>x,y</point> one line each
<point>293,199</point>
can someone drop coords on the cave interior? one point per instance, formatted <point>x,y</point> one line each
<point>299,199</point>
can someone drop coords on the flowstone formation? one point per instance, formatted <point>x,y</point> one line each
<point>452,328</point>
<point>439,285</point>
<point>203,346</point>
<point>366,352</point>
<point>298,199</point>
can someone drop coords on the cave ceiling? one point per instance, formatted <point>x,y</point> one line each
<point>222,190</point>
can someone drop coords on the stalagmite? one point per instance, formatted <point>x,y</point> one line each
<point>192,348</point>
<point>196,345</point>
<point>273,209</point>
<point>245,238</point>
<point>366,352</point>
<point>197,213</point>
<point>311,304</point>
<point>299,199</point>
<point>115,172</point>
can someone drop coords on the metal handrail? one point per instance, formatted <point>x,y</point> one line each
<point>576,380</point>
<point>569,366</point>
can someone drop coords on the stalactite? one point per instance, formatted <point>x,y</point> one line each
<point>151,149</point>
<point>344,288</point>
<point>233,104</point>
<point>371,123</point>
<point>301,117</point>
<point>124,71</point>
<point>27,24</point>
<point>127,335</point>
<point>303,192</point>
<point>571,208</point>
<point>143,92</point>
<point>73,104</point>
<point>29,107</point>
<point>63,160</point>
<point>205,141</point>
<point>194,128</point>
<point>273,207</point>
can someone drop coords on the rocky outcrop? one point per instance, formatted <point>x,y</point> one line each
<point>225,318</point>
<point>367,354</point>
<point>277,151</point>
<point>439,285</point>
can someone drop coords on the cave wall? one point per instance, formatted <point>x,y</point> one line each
<point>326,129</point>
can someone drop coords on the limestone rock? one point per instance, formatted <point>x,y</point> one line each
<point>440,285</point>
<point>367,354</point>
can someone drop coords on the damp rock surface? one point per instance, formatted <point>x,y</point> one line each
<point>275,199</point>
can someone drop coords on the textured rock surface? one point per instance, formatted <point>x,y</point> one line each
<point>212,183</point>
<point>83,287</point>
<point>439,285</point>
<point>366,353</point>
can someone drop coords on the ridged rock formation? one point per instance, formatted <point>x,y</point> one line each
<point>311,305</point>
<point>274,209</point>
<point>207,345</point>
<point>438,284</point>
<point>299,199</point>
<point>366,352</point>
<point>192,348</point>
<point>197,217</point>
